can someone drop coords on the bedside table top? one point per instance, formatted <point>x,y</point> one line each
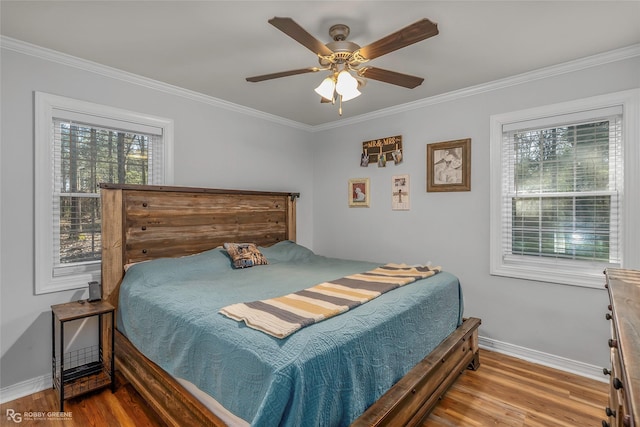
<point>79,309</point>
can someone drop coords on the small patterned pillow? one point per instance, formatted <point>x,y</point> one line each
<point>245,255</point>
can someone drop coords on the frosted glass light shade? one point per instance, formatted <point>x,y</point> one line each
<point>326,88</point>
<point>347,86</point>
<point>350,94</point>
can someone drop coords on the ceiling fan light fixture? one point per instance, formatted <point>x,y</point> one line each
<point>326,88</point>
<point>341,53</point>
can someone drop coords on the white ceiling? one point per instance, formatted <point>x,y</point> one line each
<point>211,46</point>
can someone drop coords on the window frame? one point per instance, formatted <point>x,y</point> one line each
<point>45,106</point>
<point>569,272</point>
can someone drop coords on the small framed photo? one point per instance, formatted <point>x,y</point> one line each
<point>449,165</point>
<point>400,193</point>
<point>359,193</point>
<point>364,159</point>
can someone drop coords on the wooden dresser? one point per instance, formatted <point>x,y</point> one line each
<point>624,313</point>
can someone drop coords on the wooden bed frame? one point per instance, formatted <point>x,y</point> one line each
<point>146,222</point>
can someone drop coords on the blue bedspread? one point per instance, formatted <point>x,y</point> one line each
<point>326,374</point>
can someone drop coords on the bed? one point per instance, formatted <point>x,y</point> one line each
<point>176,226</point>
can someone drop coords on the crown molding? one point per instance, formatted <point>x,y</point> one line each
<point>103,70</point>
<point>542,73</point>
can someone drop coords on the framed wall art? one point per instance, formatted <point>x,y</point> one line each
<point>359,193</point>
<point>400,192</point>
<point>449,165</point>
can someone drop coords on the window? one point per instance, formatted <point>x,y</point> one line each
<point>78,146</point>
<point>561,190</point>
<point>558,190</point>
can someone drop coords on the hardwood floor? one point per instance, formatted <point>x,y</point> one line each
<point>505,391</point>
<point>124,408</point>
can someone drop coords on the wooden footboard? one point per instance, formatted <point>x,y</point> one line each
<point>411,399</point>
<point>407,403</point>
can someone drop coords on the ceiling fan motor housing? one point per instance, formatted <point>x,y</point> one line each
<point>343,50</point>
<point>339,32</point>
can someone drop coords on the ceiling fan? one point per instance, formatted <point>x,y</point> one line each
<point>347,62</point>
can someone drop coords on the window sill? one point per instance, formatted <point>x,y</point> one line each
<point>66,283</point>
<point>589,275</point>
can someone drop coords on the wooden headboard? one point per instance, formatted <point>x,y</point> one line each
<point>144,222</point>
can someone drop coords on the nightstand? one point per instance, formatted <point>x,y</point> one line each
<point>86,369</point>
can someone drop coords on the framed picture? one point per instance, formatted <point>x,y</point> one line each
<point>400,192</point>
<point>449,165</point>
<point>359,193</point>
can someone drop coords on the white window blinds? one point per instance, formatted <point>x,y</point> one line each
<point>561,187</point>
<point>87,153</point>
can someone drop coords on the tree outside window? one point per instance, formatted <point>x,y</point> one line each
<point>563,192</point>
<point>87,157</point>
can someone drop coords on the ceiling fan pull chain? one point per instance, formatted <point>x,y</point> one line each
<point>340,106</point>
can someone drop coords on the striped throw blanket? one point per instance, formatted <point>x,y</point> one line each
<point>282,316</point>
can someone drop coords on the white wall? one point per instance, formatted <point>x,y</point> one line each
<point>227,148</point>
<point>214,147</point>
<point>452,229</point>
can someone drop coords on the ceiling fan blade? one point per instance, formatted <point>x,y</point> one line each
<point>299,34</point>
<point>392,77</point>
<point>414,33</point>
<point>282,74</point>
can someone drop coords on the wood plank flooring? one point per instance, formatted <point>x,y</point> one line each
<point>505,391</point>
<point>124,408</point>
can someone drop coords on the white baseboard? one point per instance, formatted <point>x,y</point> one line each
<point>545,359</point>
<point>25,388</point>
<point>35,385</point>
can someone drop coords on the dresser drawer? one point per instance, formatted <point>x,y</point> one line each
<point>616,410</point>
<point>624,382</point>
